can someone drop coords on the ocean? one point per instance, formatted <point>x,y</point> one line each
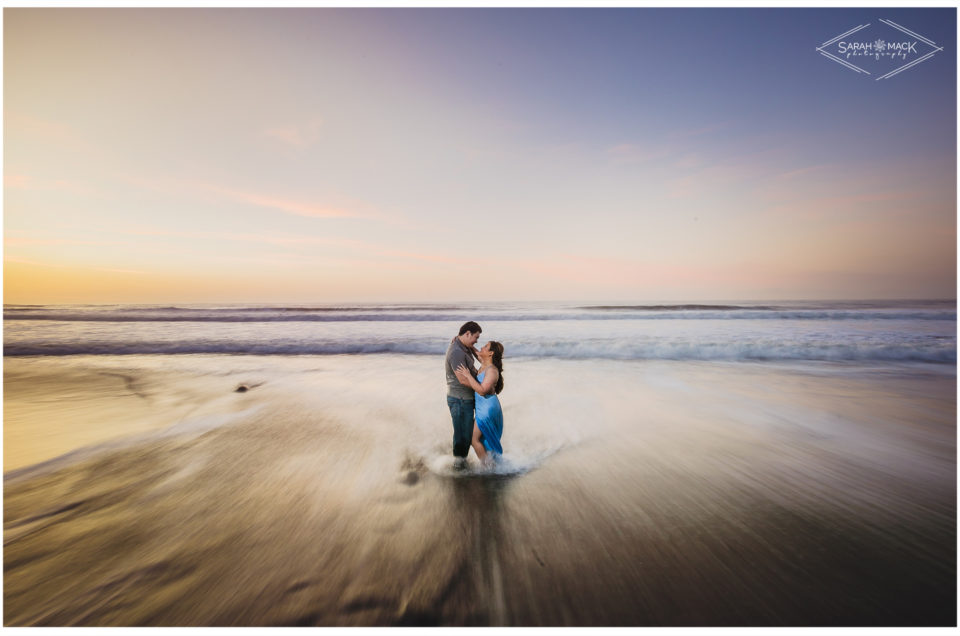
<point>906,331</point>
<point>665,464</point>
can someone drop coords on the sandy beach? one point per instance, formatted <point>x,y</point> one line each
<point>632,493</point>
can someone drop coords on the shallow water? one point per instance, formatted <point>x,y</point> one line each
<point>632,492</point>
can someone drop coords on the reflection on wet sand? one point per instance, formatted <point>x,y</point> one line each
<point>477,505</point>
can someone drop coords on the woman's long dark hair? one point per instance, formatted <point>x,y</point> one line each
<point>497,350</point>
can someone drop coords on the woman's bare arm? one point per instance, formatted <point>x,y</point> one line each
<point>489,380</point>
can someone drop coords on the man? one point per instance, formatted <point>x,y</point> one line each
<point>460,397</point>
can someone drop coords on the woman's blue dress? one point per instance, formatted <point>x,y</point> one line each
<point>489,419</point>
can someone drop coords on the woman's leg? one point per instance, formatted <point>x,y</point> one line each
<point>477,444</point>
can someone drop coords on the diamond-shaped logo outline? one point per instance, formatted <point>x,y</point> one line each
<point>892,24</point>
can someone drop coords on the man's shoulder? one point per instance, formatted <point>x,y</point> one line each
<point>453,348</point>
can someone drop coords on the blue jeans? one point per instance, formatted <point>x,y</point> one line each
<point>461,411</point>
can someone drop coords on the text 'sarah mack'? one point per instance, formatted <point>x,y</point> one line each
<point>878,48</point>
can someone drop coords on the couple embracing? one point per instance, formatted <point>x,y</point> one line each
<point>472,392</point>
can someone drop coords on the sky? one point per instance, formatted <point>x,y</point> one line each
<point>434,155</point>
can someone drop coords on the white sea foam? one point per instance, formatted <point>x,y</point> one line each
<point>918,348</point>
<point>862,332</point>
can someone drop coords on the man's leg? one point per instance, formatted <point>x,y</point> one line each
<point>461,412</point>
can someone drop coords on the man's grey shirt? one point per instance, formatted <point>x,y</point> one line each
<point>457,354</point>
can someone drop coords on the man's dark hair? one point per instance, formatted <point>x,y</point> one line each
<point>471,326</point>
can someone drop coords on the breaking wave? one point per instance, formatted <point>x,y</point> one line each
<point>935,349</point>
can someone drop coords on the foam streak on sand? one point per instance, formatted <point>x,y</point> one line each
<point>631,493</point>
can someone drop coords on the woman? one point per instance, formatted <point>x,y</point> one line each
<point>489,382</point>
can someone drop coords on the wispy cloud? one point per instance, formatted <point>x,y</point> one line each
<point>283,204</point>
<point>119,271</point>
<point>627,153</point>
<point>829,206</point>
<point>25,261</point>
<point>14,241</point>
<point>421,256</point>
<point>674,144</point>
<point>352,247</point>
<point>708,181</point>
<point>288,240</point>
<point>300,135</point>
<point>684,133</point>
<point>284,260</point>
<point>17,259</point>
<point>689,161</point>
<point>47,131</point>
<point>585,269</point>
<point>801,171</point>
<point>292,240</point>
<point>27,182</point>
<point>16,181</point>
<point>661,278</point>
<point>270,201</point>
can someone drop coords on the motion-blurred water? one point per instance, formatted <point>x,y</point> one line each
<point>923,331</point>
<point>788,464</point>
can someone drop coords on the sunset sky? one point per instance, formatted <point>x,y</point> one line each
<point>436,155</point>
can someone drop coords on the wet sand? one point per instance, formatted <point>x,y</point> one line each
<point>641,494</point>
